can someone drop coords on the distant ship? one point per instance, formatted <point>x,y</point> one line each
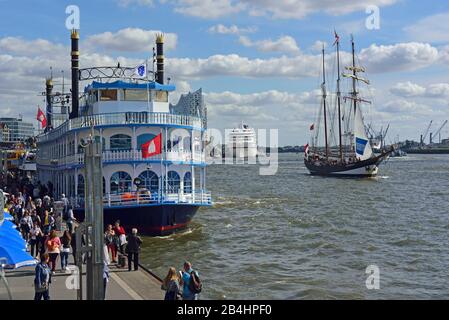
<point>353,155</point>
<point>242,143</point>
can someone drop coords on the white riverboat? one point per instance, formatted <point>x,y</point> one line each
<point>158,193</point>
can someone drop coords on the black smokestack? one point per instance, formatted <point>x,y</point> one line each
<point>49,110</point>
<point>75,74</point>
<point>160,58</point>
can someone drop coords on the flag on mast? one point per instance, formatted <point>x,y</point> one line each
<point>152,147</point>
<point>337,38</point>
<point>141,71</point>
<point>41,118</point>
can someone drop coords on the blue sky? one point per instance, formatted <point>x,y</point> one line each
<point>255,60</point>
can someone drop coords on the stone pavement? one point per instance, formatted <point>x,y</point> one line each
<point>122,285</point>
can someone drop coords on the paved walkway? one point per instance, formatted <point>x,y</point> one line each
<point>123,285</point>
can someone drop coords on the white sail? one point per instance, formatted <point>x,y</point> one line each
<point>363,149</point>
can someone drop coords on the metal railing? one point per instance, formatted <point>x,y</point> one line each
<point>126,155</point>
<point>125,118</point>
<point>200,197</point>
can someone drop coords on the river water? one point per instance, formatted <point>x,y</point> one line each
<point>295,236</point>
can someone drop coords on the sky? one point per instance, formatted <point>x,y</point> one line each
<point>257,61</point>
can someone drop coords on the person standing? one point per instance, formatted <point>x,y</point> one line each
<point>42,279</point>
<point>69,218</point>
<point>121,234</point>
<point>65,249</point>
<point>26,223</point>
<point>53,245</point>
<point>133,249</point>
<point>110,240</point>
<point>105,277</point>
<point>35,239</point>
<point>47,222</point>
<point>171,285</point>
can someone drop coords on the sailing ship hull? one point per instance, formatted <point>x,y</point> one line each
<point>150,220</point>
<point>365,168</point>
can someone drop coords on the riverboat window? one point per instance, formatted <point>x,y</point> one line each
<point>120,142</point>
<point>135,95</point>
<point>188,182</point>
<point>161,96</point>
<point>174,182</point>
<point>108,95</point>
<point>121,182</point>
<point>150,181</point>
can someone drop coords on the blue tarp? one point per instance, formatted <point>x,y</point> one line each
<point>14,257</point>
<point>7,216</point>
<point>13,247</point>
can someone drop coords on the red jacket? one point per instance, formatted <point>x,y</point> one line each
<point>119,231</point>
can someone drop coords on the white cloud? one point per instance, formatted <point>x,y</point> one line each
<point>434,28</point>
<point>207,9</point>
<point>280,9</point>
<point>438,90</point>
<point>398,57</point>
<point>318,46</point>
<point>127,3</point>
<point>402,106</point>
<point>130,40</point>
<point>233,29</point>
<point>235,65</point>
<point>284,44</point>
<point>407,89</point>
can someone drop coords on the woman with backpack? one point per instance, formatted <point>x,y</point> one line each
<point>191,283</point>
<point>171,285</point>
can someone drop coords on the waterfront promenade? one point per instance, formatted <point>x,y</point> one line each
<point>122,285</point>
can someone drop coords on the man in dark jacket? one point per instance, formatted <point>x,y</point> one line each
<point>133,249</point>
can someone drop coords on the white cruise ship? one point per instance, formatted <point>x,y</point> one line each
<point>241,142</point>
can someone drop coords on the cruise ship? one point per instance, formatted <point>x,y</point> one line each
<point>157,190</point>
<point>241,142</point>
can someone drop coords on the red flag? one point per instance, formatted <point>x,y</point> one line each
<point>41,118</point>
<point>306,149</point>
<point>312,126</point>
<point>337,38</point>
<point>152,147</point>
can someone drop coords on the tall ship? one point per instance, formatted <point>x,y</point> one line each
<point>242,142</point>
<point>347,150</point>
<point>153,161</point>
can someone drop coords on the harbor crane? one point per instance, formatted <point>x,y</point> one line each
<point>423,137</point>
<point>433,134</point>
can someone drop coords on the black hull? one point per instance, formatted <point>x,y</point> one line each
<point>358,169</point>
<point>150,220</point>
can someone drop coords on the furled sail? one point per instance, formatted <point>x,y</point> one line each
<point>363,149</point>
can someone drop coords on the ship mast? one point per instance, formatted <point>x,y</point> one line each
<point>337,41</point>
<point>323,88</point>
<point>354,73</point>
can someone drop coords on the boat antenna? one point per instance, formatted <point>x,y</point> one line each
<point>323,88</point>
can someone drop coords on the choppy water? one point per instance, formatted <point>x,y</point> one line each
<point>294,236</point>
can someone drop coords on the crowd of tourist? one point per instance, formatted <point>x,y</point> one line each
<point>51,235</point>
